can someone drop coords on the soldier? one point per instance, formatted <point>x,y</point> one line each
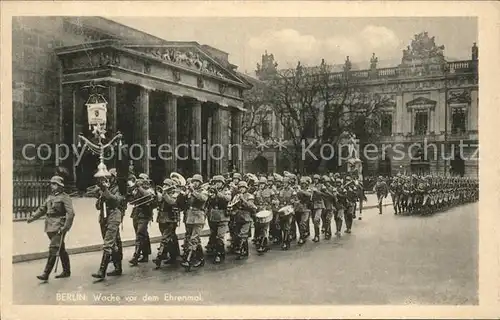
<point>360,190</point>
<point>341,203</point>
<point>294,184</point>
<point>233,188</point>
<point>318,205</point>
<point>285,220</point>
<point>195,220</point>
<point>111,206</point>
<point>59,216</point>
<point>141,216</point>
<point>169,202</point>
<point>395,190</point>
<point>330,202</point>
<point>244,208</point>
<point>381,190</point>
<point>350,200</point>
<point>302,209</point>
<point>218,217</point>
<point>263,198</point>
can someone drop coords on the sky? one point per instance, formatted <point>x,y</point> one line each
<point>309,40</point>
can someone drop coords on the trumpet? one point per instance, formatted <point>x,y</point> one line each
<point>142,201</point>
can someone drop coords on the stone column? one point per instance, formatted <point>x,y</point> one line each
<point>237,147</point>
<point>170,138</point>
<point>216,152</point>
<point>196,136</point>
<point>398,115</point>
<point>142,130</point>
<point>441,111</point>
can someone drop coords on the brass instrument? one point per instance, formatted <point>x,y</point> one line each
<point>92,191</point>
<point>236,199</point>
<point>178,178</point>
<point>277,176</point>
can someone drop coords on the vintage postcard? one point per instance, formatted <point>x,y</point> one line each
<point>250,160</point>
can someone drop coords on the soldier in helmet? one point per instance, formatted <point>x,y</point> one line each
<point>59,216</point>
<point>330,202</point>
<point>341,203</point>
<point>195,220</point>
<point>350,199</point>
<point>302,209</point>
<point>244,209</point>
<point>141,216</point>
<point>233,189</point>
<point>285,220</point>
<point>218,217</point>
<point>169,203</point>
<point>381,190</point>
<point>317,189</point>
<point>395,190</point>
<point>111,205</point>
<point>263,198</point>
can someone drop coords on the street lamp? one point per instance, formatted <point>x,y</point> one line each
<point>96,110</point>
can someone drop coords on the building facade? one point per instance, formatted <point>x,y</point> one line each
<point>158,92</point>
<point>433,109</point>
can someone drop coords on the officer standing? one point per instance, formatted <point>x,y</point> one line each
<point>59,216</point>
<point>381,190</point>
<point>218,217</point>
<point>110,205</point>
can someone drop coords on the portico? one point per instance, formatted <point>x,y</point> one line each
<point>172,103</point>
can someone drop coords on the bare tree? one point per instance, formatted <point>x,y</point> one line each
<point>307,99</point>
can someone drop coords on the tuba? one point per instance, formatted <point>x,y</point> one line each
<point>252,177</point>
<point>178,178</point>
<point>277,176</point>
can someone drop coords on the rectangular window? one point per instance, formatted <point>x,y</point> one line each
<point>266,129</point>
<point>421,123</point>
<point>386,124</point>
<point>458,119</point>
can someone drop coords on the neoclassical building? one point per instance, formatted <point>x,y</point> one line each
<point>157,90</point>
<point>431,100</point>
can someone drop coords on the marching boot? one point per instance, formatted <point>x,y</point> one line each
<point>200,259</point>
<point>316,234</point>
<point>117,262</point>
<point>187,260</point>
<point>66,273</point>
<point>51,261</point>
<point>144,258</point>
<point>286,241</point>
<point>220,254</point>
<point>172,252</point>
<point>159,258</point>
<point>101,274</point>
<point>244,250</point>
<point>135,259</point>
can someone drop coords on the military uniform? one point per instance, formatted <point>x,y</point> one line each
<point>340,205</point>
<point>381,191</point>
<point>318,206</point>
<point>263,200</point>
<point>302,210</point>
<point>59,216</point>
<point>111,206</point>
<point>195,220</point>
<point>244,210</point>
<point>330,203</point>
<point>141,216</point>
<point>285,220</point>
<point>351,197</point>
<point>218,219</point>
<point>233,189</point>
<point>168,219</point>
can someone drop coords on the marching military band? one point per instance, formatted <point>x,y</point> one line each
<point>280,207</point>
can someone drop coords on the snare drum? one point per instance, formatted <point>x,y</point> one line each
<point>264,216</point>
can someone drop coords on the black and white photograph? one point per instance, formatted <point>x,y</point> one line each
<point>226,160</point>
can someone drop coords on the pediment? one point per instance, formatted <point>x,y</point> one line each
<point>190,56</point>
<point>459,97</point>
<point>421,102</point>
